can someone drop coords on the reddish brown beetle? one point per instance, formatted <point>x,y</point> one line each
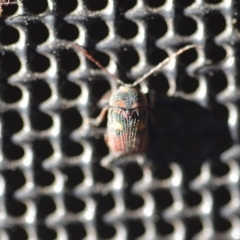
<point>128,112</point>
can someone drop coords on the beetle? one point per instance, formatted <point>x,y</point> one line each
<point>128,111</point>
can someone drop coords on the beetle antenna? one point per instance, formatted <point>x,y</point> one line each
<point>87,55</point>
<point>164,62</point>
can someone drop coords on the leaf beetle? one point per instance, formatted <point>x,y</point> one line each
<point>128,111</point>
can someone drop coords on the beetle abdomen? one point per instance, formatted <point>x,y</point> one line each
<point>127,130</point>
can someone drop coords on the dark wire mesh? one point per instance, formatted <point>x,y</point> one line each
<point>52,185</point>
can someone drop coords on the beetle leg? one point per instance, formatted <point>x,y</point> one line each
<point>97,121</point>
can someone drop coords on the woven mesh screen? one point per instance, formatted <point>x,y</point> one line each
<point>52,183</point>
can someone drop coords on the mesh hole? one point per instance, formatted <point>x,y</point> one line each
<point>17,232</point>
<point>15,208</point>
<point>159,83</point>
<point>155,3</point>
<point>93,5</point>
<point>163,172</point>
<point>38,33</point>
<point>153,29</point>
<point>46,206</point>
<point>10,63</point>
<point>41,121</point>
<point>68,31</point>
<point>164,228</point>
<point>185,3</point>
<point>186,26</point>
<point>42,149</point>
<point>127,29</point>
<point>40,91</point>
<point>76,231</point>
<point>221,196</point>
<point>71,119</point>
<point>219,169</point>
<point>39,63</point>
<point>12,122</point>
<point>98,29</point>
<point>44,178</point>
<point>37,6</point>
<point>105,231</point>
<point>8,35</point>
<point>128,57</point>
<point>156,55</point>
<point>46,233</point>
<point>69,61</point>
<point>71,148</point>
<point>191,172</point>
<point>69,90</point>
<point>132,178</point>
<point>216,54</point>
<point>98,89</point>
<point>101,57</point>
<point>10,94</point>
<point>163,199</point>
<point>100,147</point>
<point>194,226</point>
<point>67,6</point>
<point>188,84</point>
<point>220,224</point>
<point>14,180</point>
<point>12,151</point>
<point>74,176</point>
<point>105,203</point>
<point>187,58</point>
<point>217,81</point>
<point>126,5</point>
<point>213,1</point>
<point>74,204</point>
<point>215,23</point>
<point>9,9</point>
<point>192,199</point>
<point>134,202</point>
<point>135,228</point>
<point>102,175</point>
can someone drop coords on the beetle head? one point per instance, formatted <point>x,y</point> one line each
<point>128,98</point>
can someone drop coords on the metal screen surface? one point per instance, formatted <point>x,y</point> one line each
<point>52,183</point>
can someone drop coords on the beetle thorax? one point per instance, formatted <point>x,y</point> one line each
<point>128,98</point>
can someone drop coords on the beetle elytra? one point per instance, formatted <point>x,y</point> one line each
<point>128,111</point>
